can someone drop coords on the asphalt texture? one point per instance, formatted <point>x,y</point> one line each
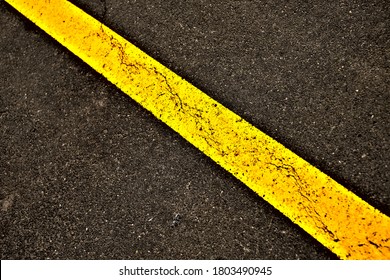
<point>87,173</point>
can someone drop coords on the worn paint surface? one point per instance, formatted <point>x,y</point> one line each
<point>337,218</point>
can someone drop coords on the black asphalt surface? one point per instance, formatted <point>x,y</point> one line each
<point>86,173</point>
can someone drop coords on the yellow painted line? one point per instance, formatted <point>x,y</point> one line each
<point>336,217</point>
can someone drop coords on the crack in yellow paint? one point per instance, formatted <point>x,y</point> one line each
<point>336,217</point>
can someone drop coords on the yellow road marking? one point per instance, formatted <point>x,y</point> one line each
<point>337,218</point>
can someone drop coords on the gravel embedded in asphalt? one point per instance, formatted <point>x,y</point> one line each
<point>86,173</point>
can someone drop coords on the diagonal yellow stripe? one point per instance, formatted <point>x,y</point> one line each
<point>337,218</point>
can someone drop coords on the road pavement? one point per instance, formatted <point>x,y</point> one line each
<point>87,173</point>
